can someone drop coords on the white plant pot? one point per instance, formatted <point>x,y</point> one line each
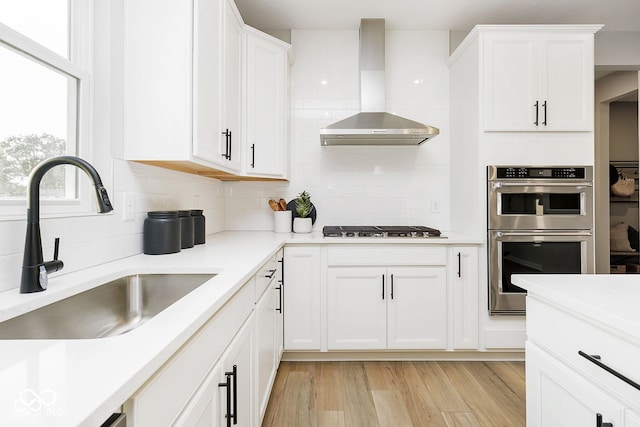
<point>302,225</point>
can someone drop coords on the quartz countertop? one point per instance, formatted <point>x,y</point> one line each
<point>81,382</point>
<point>610,301</point>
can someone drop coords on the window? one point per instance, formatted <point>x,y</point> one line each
<point>44,99</point>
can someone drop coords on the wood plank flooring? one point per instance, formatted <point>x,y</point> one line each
<point>397,394</point>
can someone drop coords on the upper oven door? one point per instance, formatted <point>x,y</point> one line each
<point>522,205</point>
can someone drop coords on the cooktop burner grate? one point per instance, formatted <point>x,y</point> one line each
<point>379,231</point>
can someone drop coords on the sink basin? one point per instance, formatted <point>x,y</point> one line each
<point>113,308</point>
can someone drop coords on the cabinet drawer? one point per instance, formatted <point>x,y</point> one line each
<point>160,400</point>
<point>564,335</point>
<point>386,255</point>
<point>265,275</point>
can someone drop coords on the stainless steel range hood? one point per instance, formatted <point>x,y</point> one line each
<point>373,126</point>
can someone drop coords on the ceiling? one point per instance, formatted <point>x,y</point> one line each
<point>456,15</point>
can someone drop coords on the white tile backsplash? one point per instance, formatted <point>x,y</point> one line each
<point>360,185</point>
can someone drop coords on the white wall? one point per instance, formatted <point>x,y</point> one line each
<point>360,185</point>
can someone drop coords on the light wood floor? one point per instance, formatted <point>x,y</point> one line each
<point>397,394</point>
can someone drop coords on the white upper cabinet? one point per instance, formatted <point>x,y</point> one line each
<point>230,127</point>
<point>183,90</point>
<point>537,81</point>
<point>266,117</point>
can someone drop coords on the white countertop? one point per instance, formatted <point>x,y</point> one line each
<point>611,301</point>
<point>81,382</point>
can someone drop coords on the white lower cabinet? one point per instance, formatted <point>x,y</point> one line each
<point>225,397</point>
<point>631,418</point>
<point>578,372</point>
<point>223,375</point>
<point>463,279</point>
<point>558,396</point>
<point>386,308</point>
<point>302,293</point>
<point>266,345</point>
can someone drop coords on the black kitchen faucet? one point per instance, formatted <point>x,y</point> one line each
<point>35,271</point>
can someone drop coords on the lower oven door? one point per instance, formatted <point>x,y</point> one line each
<point>533,252</point>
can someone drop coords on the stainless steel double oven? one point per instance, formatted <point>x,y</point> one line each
<point>540,221</point>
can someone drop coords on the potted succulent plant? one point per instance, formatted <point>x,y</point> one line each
<point>303,223</point>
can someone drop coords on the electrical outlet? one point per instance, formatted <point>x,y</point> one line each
<point>128,207</point>
<point>435,206</point>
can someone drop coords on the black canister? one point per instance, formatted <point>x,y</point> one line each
<point>198,226</point>
<point>186,229</point>
<point>161,233</point>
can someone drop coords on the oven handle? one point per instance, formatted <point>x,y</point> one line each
<point>576,185</point>
<point>543,233</point>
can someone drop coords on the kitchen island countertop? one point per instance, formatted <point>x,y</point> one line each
<point>81,382</point>
<point>609,300</point>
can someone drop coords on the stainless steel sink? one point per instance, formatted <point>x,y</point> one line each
<point>113,308</point>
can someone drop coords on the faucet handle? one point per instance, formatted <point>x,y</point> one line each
<point>55,264</point>
<point>56,247</point>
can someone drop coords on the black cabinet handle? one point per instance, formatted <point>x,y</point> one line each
<point>279,308</point>
<point>234,372</point>
<point>229,146</point>
<point>281,261</point>
<point>599,422</point>
<point>392,286</point>
<point>536,105</point>
<point>544,107</point>
<point>272,271</point>
<point>383,286</point>
<point>595,359</point>
<point>253,155</point>
<point>459,265</point>
<point>227,384</point>
<point>227,135</point>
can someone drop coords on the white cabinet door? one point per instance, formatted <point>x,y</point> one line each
<point>356,308</point>
<point>463,276</point>
<point>207,80</point>
<point>558,396</point>
<point>417,308</point>
<point>266,104</point>
<point>227,389</point>
<point>203,411</point>
<point>631,418</point>
<point>238,372</point>
<point>265,349</point>
<point>230,132</point>
<point>302,321</point>
<point>279,330</point>
<point>510,82</point>
<point>567,82</point>
<point>538,82</point>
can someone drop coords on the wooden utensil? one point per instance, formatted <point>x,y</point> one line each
<point>283,204</point>
<point>274,205</point>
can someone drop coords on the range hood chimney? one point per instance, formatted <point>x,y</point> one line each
<point>373,126</point>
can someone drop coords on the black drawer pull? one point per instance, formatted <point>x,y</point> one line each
<point>595,359</point>
<point>599,422</point>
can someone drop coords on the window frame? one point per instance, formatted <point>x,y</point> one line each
<point>77,66</point>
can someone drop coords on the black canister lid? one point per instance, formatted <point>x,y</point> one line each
<point>163,214</point>
<point>196,212</point>
<point>184,213</point>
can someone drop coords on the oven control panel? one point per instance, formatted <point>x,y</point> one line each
<point>520,172</point>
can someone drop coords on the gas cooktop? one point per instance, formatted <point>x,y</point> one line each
<point>379,231</point>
